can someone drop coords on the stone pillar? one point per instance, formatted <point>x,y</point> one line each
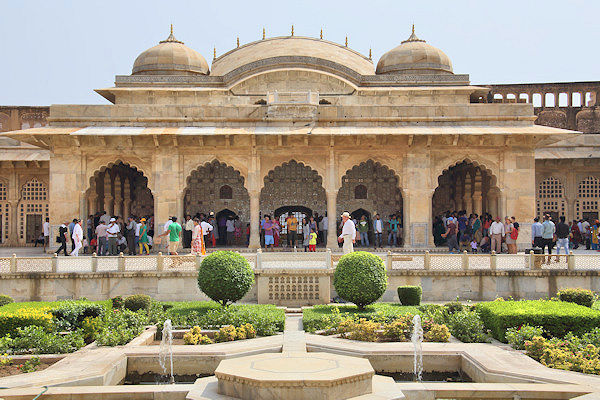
<point>467,197</point>
<point>417,197</point>
<point>458,195</point>
<point>66,190</point>
<point>13,223</point>
<point>254,187</point>
<point>166,189</point>
<point>108,199</point>
<point>477,199</point>
<point>126,198</point>
<point>118,207</point>
<point>493,203</point>
<point>332,219</point>
<point>254,219</point>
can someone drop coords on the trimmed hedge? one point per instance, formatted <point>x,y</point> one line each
<point>557,318</point>
<point>137,302</point>
<point>360,278</point>
<point>410,295</point>
<point>5,299</point>
<point>583,297</point>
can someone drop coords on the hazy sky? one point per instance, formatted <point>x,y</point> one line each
<point>59,51</point>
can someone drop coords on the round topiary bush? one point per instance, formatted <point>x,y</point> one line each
<point>225,276</point>
<point>137,302</point>
<point>410,295</point>
<point>5,299</point>
<point>360,278</point>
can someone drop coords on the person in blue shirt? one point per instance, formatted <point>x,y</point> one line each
<point>548,230</point>
<point>536,233</point>
<point>393,235</point>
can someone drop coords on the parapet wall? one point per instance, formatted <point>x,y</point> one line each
<point>438,285</point>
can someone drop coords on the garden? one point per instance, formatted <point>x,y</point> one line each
<point>561,332</point>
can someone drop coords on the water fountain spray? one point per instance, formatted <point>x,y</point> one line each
<point>417,341</point>
<point>166,349</point>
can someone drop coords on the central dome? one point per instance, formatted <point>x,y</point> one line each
<point>292,51</point>
<point>170,57</point>
<point>414,56</point>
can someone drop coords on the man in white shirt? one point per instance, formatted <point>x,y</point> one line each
<point>188,228</point>
<point>497,232</point>
<point>112,232</point>
<point>378,229</point>
<point>230,228</point>
<point>206,230</point>
<point>105,217</point>
<point>46,228</point>
<point>77,238</point>
<point>348,235</point>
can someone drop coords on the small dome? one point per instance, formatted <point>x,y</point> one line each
<point>414,56</point>
<point>170,57</point>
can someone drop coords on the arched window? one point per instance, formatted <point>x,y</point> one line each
<point>34,190</point>
<point>225,192</point>
<point>550,198</point>
<point>588,198</point>
<point>360,192</point>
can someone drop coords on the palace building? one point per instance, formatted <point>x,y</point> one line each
<point>304,125</point>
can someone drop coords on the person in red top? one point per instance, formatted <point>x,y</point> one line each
<point>450,236</point>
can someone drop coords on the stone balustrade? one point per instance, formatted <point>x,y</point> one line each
<point>298,279</point>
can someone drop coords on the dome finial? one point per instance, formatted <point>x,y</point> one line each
<point>346,41</point>
<point>264,33</point>
<point>171,38</point>
<point>369,53</point>
<point>292,30</point>
<point>413,37</point>
<point>321,36</point>
<point>214,52</point>
<point>238,41</point>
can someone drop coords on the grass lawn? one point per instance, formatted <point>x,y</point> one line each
<point>318,317</point>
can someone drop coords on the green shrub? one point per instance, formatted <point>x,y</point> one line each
<point>360,278</point>
<point>5,299</point>
<point>194,336</point>
<point>556,318</point>
<point>560,354</point>
<point>399,330</point>
<point>267,319</point>
<point>30,365</point>
<point>324,317</point>
<point>436,333</point>
<point>454,307</point>
<point>467,327</point>
<point>583,297</point>
<point>121,326</point>
<point>363,330</point>
<point>70,315</point>
<point>517,337</point>
<point>137,302</point>
<point>117,302</point>
<point>36,340</point>
<point>410,295</point>
<point>225,276</point>
<point>10,321</point>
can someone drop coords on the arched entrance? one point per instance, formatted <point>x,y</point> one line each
<point>466,187</point>
<point>298,211</point>
<point>371,188</point>
<point>216,186</point>
<point>120,190</point>
<point>295,187</point>
<point>293,183</point>
<point>33,209</point>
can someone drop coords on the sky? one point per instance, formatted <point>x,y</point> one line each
<point>57,52</point>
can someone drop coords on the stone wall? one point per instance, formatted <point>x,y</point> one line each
<point>182,286</point>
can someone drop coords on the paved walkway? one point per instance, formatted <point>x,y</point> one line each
<point>294,340</point>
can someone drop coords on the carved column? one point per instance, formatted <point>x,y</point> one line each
<point>108,199</point>
<point>126,198</point>
<point>332,219</point>
<point>118,208</point>
<point>13,223</point>
<point>467,197</point>
<point>254,193</point>
<point>492,198</point>
<point>458,198</point>
<point>92,198</point>
<point>477,199</point>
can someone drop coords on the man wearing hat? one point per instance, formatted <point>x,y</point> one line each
<point>112,232</point>
<point>348,235</point>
